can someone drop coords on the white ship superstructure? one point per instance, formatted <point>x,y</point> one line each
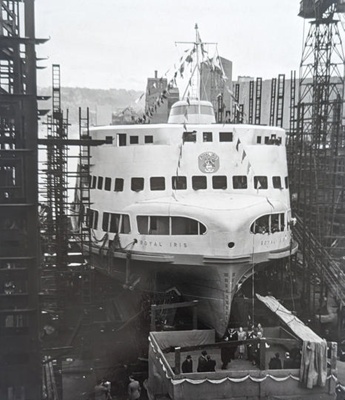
<point>193,206</point>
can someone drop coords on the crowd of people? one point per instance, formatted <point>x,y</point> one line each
<point>244,351</point>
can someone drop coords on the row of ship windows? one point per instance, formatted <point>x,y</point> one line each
<point>199,182</point>
<point>162,225</point>
<point>192,137</point>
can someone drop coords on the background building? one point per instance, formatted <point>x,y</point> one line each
<point>159,110</point>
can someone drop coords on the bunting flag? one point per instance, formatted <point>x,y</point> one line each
<point>258,186</point>
<point>248,167</point>
<point>185,126</point>
<point>139,98</point>
<point>237,144</point>
<point>269,202</point>
<point>243,156</point>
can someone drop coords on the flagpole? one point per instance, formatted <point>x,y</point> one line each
<point>198,67</point>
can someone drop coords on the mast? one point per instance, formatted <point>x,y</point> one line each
<point>197,44</point>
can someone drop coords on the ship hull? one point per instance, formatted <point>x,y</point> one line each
<point>213,285</point>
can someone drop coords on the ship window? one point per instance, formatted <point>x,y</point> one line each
<point>186,226</point>
<point>149,139</point>
<point>199,182</point>
<point>261,225</point>
<point>157,183</point>
<point>125,225</point>
<point>118,185</point>
<point>258,139</point>
<point>90,180</point>
<point>143,224</point>
<point>219,182</point>
<point>91,218</point>
<point>207,136</point>
<point>260,182</point>
<point>189,136</point>
<point>277,184</point>
<point>122,139</point>
<point>267,139</point>
<point>239,182</point>
<point>100,183</point>
<point>179,182</point>
<point>159,225</point>
<point>105,222</point>
<point>269,224</point>
<point>287,182</point>
<point>114,223</point>
<point>282,221</point>
<point>225,136</point>
<point>94,182</point>
<point>137,184</point>
<point>134,139</point>
<point>275,223</point>
<point>107,184</point>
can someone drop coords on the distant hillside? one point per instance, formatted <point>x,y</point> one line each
<point>113,100</point>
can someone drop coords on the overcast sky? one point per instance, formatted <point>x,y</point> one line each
<point>120,43</point>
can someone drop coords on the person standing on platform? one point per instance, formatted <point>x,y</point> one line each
<point>250,346</point>
<point>211,364</point>
<point>233,337</point>
<point>202,362</point>
<point>187,365</point>
<point>225,353</point>
<point>134,389</point>
<point>275,362</point>
<point>242,335</point>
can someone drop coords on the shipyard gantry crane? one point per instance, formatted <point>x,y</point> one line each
<point>317,162</point>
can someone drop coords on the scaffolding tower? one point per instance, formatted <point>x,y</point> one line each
<point>317,152</point>
<point>20,363</point>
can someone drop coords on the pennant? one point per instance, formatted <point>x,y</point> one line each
<point>185,126</point>
<point>139,98</point>
<point>259,185</point>
<point>182,70</point>
<point>248,167</point>
<point>237,144</point>
<point>269,202</point>
<point>243,155</point>
<point>189,59</point>
<point>230,91</point>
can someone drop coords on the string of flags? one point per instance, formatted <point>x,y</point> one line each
<point>214,63</point>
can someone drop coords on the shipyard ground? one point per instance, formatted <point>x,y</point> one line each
<point>100,343</point>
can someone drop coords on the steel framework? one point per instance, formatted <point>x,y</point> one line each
<point>316,155</point>
<point>19,237</point>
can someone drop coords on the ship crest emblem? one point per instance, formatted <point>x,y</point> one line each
<point>208,162</point>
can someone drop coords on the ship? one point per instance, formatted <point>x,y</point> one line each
<point>189,204</point>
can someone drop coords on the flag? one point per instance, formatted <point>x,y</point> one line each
<point>269,202</point>
<point>139,98</point>
<point>248,167</point>
<point>243,155</point>
<point>237,144</point>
